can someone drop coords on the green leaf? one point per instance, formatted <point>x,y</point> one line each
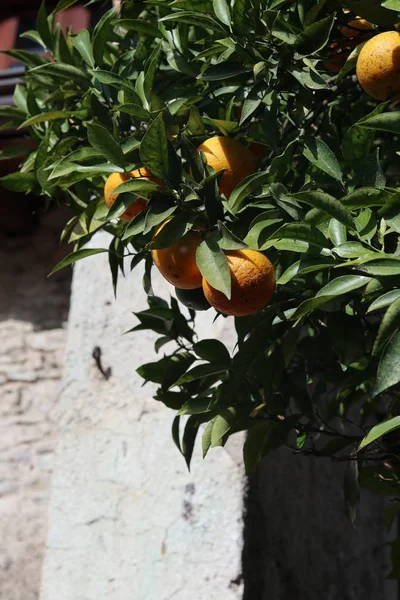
<point>102,141</point>
<point>365,197</point>
<point>201,371</point>
<point>229,241</point>
<point>176,433</point>
<point>101,35</point>
<point>328,204</point>
<point>320,155</point>
<point>45,117</point>
<point>213,351</point>
<point>381,267</point>
<point>337,232</point>
<point>214,267</point>
<point>43,26</point>
<point>369,172</point>
<point>384,300</point>
<point>223,71</point>
<point>135,110</point>
<point>338,287</point>
<point>194,18</point>
<point>314,37</point>
<point>81,42</point>
<point>380,430</point>
<point>206,439</point>
<point>222,425</point>
<point>157,213</point>
<point>139,25</point>
<point>246,187</point>
<point>222,12</point>
<point>18,182</point>
<point>118,82</point>
<point>389,366</point>
<point>265,437</point>
<point>253,101</point>
<point>63,72</point>
<point>358,140</point>
<point>302,267</point>
<point>189,438</point>
<point>173,230</point>
<point>75,256</point>
<point>150,73</point>
<point>389,324</point>
<point>383,122</point>
<point>154,149</point>
<point>136,185</point>
<point>298,232</point>
<point>392,5</point>
<point>352,250</point>
<point>239,10</point>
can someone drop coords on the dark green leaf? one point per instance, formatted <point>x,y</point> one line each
<point>43,26</point>
<point>212,350</point>
<point>328,204</point>
<point>139,25</point>
<point>103,142</point>
<point>314,37</point>
<point>75,256</point>
<point>320,155</point>
<point>389,366</point>
<point>154,149</point>
<point>214,267</point>
<point>389,324</point>
<point>18,182</point>
<point>229,241</point>
<point>81,42</point>
<point>194,18</point>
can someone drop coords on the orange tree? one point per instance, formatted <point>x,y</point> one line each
<point>224,142</point>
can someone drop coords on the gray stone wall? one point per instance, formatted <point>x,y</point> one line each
<point>33,314</point>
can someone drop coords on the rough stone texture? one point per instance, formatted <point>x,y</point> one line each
<point>127,521</point>
<point>33,312</point>
<point>299,542</point>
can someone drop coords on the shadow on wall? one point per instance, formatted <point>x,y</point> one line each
<point>26,293</point>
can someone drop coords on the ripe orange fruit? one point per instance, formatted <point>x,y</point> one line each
<point>356,27</point>
<point>115,179</point>
<point>177,263</point>
<point>223,152</point>
<point>253,284</point>
<point>378,66</point>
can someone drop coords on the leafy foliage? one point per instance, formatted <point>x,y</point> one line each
<point>317,367</point>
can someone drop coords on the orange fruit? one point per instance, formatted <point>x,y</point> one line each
<point>378,66</point>
<point>223,152</point>
<point>253,284</point>
<point>177,263</point>
<point>115,179</point>
<point>356,27</point>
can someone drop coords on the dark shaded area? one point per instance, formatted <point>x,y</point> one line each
<point>299,543</point>
<point>26,259</point>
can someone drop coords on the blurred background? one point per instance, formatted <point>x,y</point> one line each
<point>33,315</point>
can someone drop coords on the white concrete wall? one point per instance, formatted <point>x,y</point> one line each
<point>127,520</point>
